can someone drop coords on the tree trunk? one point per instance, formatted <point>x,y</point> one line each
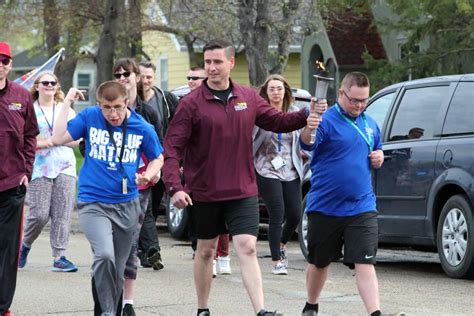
<point>51,26</point>
<point>105,53</point>
<point>289,12</point>
<point>135,29</point>
<point>256,32</point>
<point>67,66</point>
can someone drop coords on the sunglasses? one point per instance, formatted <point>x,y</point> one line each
<point>5,60</point>
<point>193,78</point>
<point>125,74</point>
<point>47,83</point>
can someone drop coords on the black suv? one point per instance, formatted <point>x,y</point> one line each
<point>425,188</point>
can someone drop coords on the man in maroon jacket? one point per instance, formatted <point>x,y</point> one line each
<point>18,130</point>
<point>212,132</point>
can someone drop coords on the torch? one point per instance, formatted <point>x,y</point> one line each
<point>322,84</point>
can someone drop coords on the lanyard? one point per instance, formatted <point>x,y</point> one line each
<point>279,137</point>
<point>46,119</point>
<point>124,135</point>
<point>367,137</point>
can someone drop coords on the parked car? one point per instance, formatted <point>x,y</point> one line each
<point>425,188</point>
<point>177,219</point>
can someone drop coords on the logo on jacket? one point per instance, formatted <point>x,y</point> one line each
<point>15,106</point>
<point>240,106</point>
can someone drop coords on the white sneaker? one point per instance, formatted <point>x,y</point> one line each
<point>279,269</point>
<point>214,273</point>
<point>223,265</point>
<point>284,258</point>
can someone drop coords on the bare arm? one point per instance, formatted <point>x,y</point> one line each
<point>60,134</point>
<point>152,172</point>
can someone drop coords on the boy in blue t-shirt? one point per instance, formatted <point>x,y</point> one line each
<point>108,203</point>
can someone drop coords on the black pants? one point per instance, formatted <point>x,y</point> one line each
<point>148,235</point>
<point>11,213</point>
<point>283,201</point>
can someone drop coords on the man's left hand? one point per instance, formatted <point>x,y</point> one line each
<point>376,158</point>
<point>24,181</point>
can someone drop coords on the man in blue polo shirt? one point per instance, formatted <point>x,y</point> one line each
<point>341,203</point>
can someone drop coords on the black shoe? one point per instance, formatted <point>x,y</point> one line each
<point>128,310</point>
<point>309,312</point>
<point>205,313</point>
<point>154,259</point>
<point>267,313</point>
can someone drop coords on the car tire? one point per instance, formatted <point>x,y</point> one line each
<point>303,230</point>
<point>455,238</point>
<point>177,220</point>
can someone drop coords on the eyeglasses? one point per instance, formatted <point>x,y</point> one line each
<point>47,83</point>
<point>119,75</point>
<point>5,60</point>
<point>117,109</point>
<point>194,78</point>
<point>275,89</point>
<point>354,101</point>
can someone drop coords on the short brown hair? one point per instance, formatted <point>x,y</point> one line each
<point>110,91</point>
<point>220,44</point>
<point>148,64</point>
<point>287,99</point>
<point>355,78</point>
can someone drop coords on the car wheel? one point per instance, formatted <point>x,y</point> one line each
<point>455,238</point>
<point>177,220</point>
<point>303,230</point>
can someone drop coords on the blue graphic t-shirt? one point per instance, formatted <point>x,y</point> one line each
<point>100,177</point>
<point>341,180</point>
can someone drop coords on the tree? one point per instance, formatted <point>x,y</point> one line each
<point>105,53</point>
<point>440,40</point>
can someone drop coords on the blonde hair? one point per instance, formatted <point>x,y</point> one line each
<point>58,96</point>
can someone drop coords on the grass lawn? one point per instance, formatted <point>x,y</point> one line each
<point>79,159</point>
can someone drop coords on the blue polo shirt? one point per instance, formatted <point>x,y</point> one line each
<point>341,173</point>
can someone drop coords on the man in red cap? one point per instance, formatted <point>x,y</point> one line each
<point>18,130</point>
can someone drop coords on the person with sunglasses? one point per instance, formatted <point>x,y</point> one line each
<point>195,77</point>
<point>127,72</point>
<point>341,204</point>
<point>115,137</point>
<point>18,130</point>
<point>52,189</point>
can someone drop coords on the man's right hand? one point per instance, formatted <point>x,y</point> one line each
<point>181,199</point>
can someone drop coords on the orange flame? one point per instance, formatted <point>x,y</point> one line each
<point>320,65</point>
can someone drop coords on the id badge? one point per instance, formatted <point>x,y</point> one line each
<point>278,162</point>
<point>124,185</point>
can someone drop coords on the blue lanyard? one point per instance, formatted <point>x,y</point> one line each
<point>366,136</point>
<point>279,137</point>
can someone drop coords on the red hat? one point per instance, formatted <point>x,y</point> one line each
<point>5,49</point>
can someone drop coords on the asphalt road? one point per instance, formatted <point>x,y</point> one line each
<point>410,281</point>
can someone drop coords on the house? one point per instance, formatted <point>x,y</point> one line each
<point>170,55</point>
<point>340,47</point>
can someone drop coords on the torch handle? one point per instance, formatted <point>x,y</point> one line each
<point>313,132</point>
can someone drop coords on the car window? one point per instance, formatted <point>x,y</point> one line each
<point>459,119</point>
<point>378,109</point>
<point>417,113</point>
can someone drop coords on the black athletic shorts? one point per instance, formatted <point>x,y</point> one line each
<point>328,234</point>
<point>209,219</point>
